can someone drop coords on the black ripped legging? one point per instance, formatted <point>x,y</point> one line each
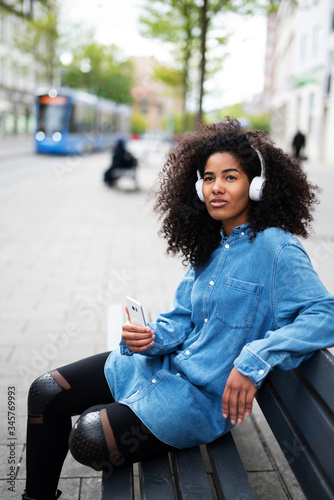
<point>81,390</point>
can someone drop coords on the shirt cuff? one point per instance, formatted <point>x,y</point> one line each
<point>251,365</point>
<point>124,349</point>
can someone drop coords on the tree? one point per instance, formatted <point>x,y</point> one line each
<point>100,69</point>
<point>40,38</point>
<point>22,9</point>
<point>173,22</point>
<point>208,11</point>
<point>255,121</point>
<point>188,25</point>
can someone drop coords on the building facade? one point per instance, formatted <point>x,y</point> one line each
<point>154,101</point>
<point>20,72</point>
<point>302,96</point>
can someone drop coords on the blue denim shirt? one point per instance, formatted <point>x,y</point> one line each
<point>256,305</point>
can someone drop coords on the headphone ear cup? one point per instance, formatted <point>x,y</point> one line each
<point>256,188</point>
<point>199,189</point>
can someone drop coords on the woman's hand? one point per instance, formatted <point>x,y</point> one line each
<point>137,338</point>
<point>238,397</point>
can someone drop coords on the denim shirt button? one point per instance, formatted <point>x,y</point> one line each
<point>187,352</point>
<point>211,282</point>
<point>153,381</point>
<point>261,372</point>
<point>227,245</point>
<point>205,320</point>
<point>242,234</point>
<point>178,374</point>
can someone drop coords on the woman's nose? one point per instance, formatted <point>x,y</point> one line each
<point>217,187</point>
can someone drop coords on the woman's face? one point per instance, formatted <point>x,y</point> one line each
<point>225,190</point>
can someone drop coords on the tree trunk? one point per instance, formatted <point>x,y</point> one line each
<point>185,86</point>
<point>204,29</point>
<point>187,12</point>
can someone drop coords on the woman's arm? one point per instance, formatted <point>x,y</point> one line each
<point>303,312</point>
<point>168,331</point>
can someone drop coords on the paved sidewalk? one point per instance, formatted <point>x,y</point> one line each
<point>16,145</point>
<point>70,246</point>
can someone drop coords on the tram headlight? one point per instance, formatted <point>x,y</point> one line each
<point>56,136</point>
<point>40,136</point>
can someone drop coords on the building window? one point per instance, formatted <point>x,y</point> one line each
<point>316,40</point>
<point>303,47</point>
<point>2,30</point>
<point>328,85</point>
<point>310,117</point>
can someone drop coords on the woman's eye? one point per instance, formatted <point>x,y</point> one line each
<point>231,177</point>
<point>207,178</point>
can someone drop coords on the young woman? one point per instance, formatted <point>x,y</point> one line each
<point>250,302</point>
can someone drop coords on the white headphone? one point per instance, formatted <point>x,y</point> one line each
<point>255,188</point>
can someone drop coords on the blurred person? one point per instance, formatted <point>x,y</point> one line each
<point>232,205</point>
<point>121,160</point>
<point>298,143</point>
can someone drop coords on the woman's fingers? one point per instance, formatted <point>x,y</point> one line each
<point>238,397</point>
<point>137,338</point>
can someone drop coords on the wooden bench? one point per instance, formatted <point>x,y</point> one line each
<point>183,475</point>
<point>299,407</point>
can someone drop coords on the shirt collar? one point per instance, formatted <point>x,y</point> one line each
<point>236,233</point>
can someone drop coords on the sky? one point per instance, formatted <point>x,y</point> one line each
<point>116,21</point>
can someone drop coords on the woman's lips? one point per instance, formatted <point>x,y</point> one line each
<point>217,203</point>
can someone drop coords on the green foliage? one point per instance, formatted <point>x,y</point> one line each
<point>138,123</point>
<point>173,22</point>
<point>169,76</point>
<point>193,30</point>
<point>256,121</point>
<point>184,123</point>
<point>40,37</point>
<point>260,122</point>
<point>99,69</point>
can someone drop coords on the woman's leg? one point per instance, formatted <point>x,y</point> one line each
<point>53,399</point>
<point>109,436</point>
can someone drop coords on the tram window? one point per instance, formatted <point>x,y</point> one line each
<point>83,118</point>
<point>107,122</point>
<point>51,118</point>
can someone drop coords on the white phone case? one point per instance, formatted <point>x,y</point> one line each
<point>136,312</point>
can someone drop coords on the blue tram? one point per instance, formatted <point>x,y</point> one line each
<point>75,122</point>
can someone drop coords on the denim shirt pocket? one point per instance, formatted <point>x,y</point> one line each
<point>238,302</point>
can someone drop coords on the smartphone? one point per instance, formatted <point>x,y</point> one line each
<point>136,312</point>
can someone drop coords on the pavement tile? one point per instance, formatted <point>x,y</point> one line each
<point>250,448</point>
<point>90,488</point>
<point>267,486</point>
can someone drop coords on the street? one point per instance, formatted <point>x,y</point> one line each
<point>17,169</point>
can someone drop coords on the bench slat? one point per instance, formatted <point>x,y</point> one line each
<point>313,481</point>
<point>118,485</point>
<point>190,475</point>
<point>317,370</point>
<point>318,428</point>
<point>229,474</point>
<point>156,480</point>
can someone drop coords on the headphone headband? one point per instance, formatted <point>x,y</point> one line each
<point>263,170</point>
